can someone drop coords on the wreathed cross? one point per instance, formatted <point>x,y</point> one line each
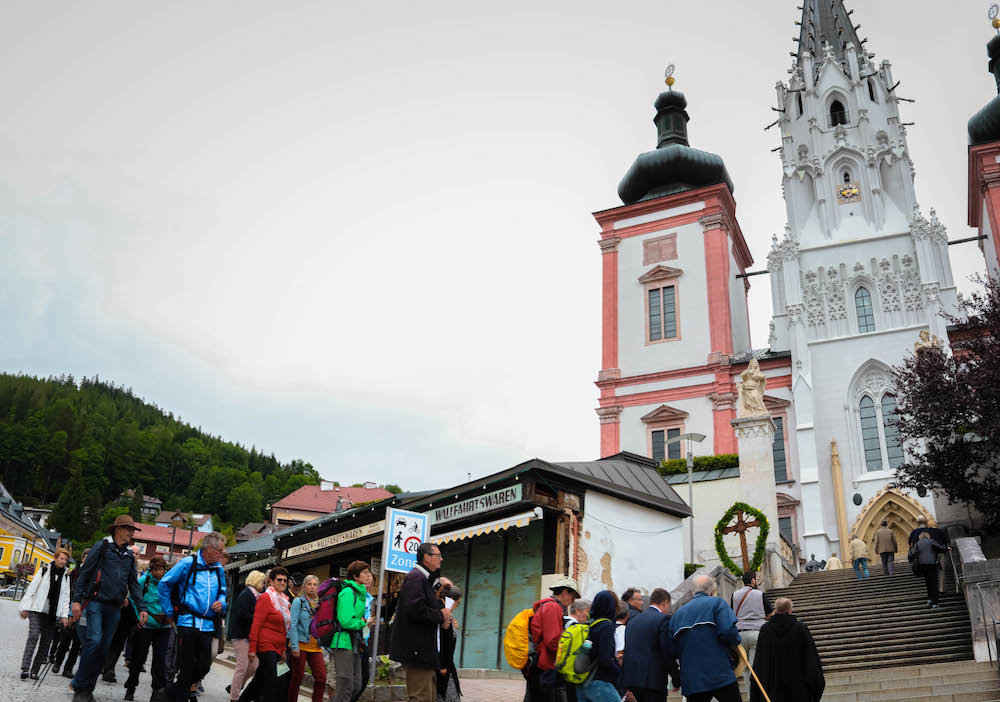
<point>740,528</point>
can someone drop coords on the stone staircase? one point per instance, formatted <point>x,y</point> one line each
<point>882,622</point>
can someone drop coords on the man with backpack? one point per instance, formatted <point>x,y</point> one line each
<point>154,634</point>
<point>543,681</point>
<point>105,577</point>
<point>193,593</point>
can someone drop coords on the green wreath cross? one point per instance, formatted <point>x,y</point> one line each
<point>760,547</point>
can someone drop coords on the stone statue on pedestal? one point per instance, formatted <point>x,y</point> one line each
<point>752,391</point>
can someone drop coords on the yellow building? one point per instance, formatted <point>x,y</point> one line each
<point>21,540</point>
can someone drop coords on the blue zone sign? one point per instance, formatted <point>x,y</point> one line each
<point>404,532</point>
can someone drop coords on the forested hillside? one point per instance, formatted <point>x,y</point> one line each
<point>81,444</point>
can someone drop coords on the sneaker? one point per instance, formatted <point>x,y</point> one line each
<point>34,675</point>
<point>24,675</point>
<point>935,606</point>
<point>930,602</point>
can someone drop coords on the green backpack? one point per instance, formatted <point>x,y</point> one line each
<point>573,660</point>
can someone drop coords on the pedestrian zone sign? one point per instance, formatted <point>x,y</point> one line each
<point>404,532</point>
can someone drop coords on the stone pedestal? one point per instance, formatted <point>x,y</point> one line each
<point>755,436</point>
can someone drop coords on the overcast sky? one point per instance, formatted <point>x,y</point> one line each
<point>360,233</point>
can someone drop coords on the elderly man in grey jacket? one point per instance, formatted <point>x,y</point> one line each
<point>752,609</point>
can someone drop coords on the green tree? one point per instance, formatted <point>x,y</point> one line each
<point>244,505</point>
<point>136,504</point>
<point>394,489</point>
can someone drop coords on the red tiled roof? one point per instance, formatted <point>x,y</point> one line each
<point>150,533</point>
<point>309,498</point>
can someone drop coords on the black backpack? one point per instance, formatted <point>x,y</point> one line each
<point>177,598</point>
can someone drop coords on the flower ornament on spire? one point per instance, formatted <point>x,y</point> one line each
<point>669,75</point>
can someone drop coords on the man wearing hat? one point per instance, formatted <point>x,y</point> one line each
<point>544,683</point>
<point>106,578</point>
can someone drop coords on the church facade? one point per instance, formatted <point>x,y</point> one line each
<point>858,274</point>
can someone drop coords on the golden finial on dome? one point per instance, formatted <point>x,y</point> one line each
<point>995,16</point>
<point>669,73</point>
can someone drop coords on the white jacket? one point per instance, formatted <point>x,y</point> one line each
<point>36,597</point>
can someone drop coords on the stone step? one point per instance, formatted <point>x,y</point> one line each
<point>834,687</point>
<point>959,654</point>
<point>934,619</point>
<point>919,612</point>
<point>836,647</point>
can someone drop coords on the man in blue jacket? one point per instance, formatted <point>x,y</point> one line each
<point>105,578</point>
<point>193,593</point>
<point>649,651</point>
<point>704,632</point>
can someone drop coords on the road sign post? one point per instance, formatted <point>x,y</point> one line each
<point>404,532</point>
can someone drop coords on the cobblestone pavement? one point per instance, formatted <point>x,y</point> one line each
<point>55,688</point>
<point>493,690</point>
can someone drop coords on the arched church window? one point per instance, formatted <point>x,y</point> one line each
<point>866,315</point>
<point>847,177</point>
<point>893,445</point>
<point>872,443</point>
<point>838,115</point>
<point>871,90</point>
<point>798,98</point>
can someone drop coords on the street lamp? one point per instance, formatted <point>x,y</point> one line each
<point>698,438</point>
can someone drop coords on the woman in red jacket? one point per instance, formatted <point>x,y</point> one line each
<point>269,637</point>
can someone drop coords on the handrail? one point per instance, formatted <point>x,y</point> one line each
<point>982,608</point>
<point>954,568</point>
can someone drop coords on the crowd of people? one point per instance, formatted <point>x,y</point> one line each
<point>105,607</point>
<point>639,654</point>
<point>633,652</point>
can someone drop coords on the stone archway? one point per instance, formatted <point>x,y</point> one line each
<point>899,509</point>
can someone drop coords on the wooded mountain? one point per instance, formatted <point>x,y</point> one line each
<point>84,443</point>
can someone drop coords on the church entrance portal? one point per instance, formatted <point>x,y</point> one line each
<point>900,510</point>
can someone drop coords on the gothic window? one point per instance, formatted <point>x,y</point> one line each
<point>870,434</point>
<point>871,90</point>
<point>847,176</point>
<point>778,451</point>
<point>866,315</point>
<point>838,115</point>
<point>798,98</point>
<point>662,311</point>
<point>893,445</point>
<point>663,450</point>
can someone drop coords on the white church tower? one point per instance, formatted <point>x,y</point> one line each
<point>857,276</point>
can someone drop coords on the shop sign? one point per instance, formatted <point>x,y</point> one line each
<point>333,540</point>
<point>478,504</point>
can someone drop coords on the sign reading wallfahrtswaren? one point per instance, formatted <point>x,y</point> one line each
<point>477,505</point>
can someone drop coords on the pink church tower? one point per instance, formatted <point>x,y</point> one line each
<point>674,313</point>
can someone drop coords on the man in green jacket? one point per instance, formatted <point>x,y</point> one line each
<point>155,633</point>
<point>347,644</point>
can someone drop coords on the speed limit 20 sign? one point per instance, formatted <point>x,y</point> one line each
<point>405,531</point>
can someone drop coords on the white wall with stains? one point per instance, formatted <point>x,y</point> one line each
<point>626,545</point>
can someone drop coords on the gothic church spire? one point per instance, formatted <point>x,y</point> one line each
<point>826,22</point>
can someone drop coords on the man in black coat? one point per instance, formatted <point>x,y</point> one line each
<point>787,662</point>
<point>649,651</point>
<point>419,617</point>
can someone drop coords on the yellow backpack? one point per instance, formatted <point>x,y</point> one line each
<point>517,641</point>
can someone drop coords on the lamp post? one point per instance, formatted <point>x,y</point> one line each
<point>698,438</point>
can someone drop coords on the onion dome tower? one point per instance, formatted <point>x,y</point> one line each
<point>673,166</point>
<point>984,126</point>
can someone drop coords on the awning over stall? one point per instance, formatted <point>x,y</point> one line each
<point>516,520</point>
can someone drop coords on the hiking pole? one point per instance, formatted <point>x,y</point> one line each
<point>743,655</point>
<point>45,671</point>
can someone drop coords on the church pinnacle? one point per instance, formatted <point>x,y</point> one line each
<point>826,22</point>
